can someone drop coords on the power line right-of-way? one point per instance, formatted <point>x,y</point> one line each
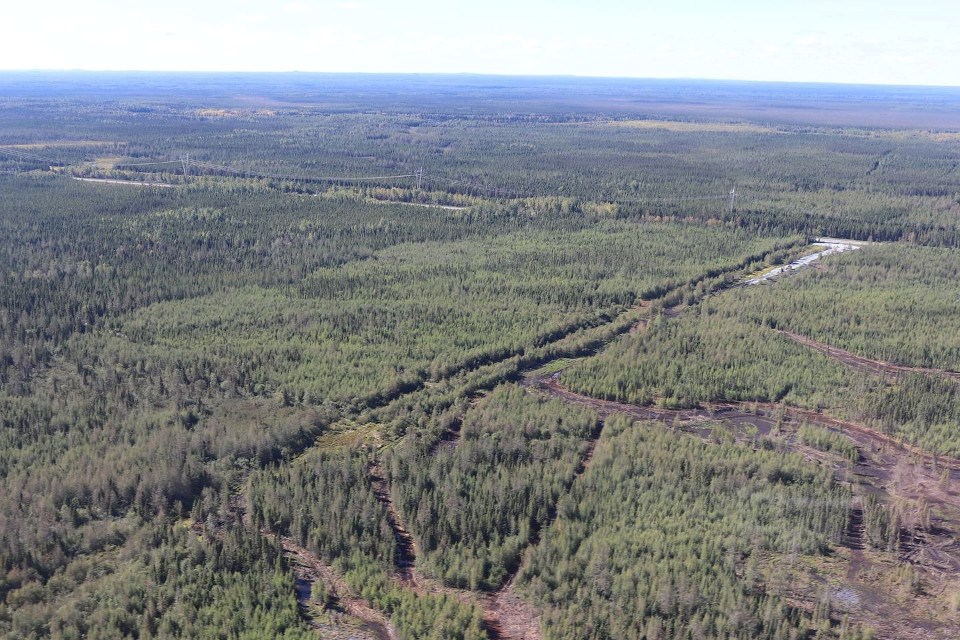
<point>419,175</point>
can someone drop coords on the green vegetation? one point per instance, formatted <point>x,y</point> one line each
<point>881,524</point>
<point>190,371</point>
<point>474,301</point>
<point>827,440</point>
<point>675,533</point>
<point>163,583</point>
<point>588,143</point>
<point>225,338</point>
<point>896,303</point>
<point>326,503</point>
<point>474,507</point>
<point>415,616</point>
<point>711,353</point>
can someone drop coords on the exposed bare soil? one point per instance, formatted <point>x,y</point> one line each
<point>129,182</point>
<point>863,583</point>
<point>505,615</point>
<point>406,549</point>
<point>867,365</point>
<point>308,568</point>
<point>509,617</point>
<point>363,623</point>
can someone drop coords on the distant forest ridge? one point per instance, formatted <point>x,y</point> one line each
<point>814,104</point>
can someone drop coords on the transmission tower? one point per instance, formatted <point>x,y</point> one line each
<point>419,174</point>
<point>185,162</point>
<point>733,195</point>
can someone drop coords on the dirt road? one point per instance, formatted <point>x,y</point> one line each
<point>829,245</point>
<point>922,485</point>
<point>308,568</point>
<point>130,182</point>
<point>867,365</point>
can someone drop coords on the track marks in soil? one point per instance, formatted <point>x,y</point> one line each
<point>866,365</point>
<point>450,438</point>
<point>505,615</point>
<point>406,556</point>
<point>906,475</point>
<point>310,568</point>
<point>509,617</point>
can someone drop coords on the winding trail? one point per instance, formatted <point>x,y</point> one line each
<point>134,183</point>
<point>308,568</point>
<point>508,616</point>
<point>505,615</point>
<point>914,480</point>
<point>867,365</point>
<point>910,478</point>
<point>764,413</point>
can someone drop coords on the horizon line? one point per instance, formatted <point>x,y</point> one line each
<point>197,72</point>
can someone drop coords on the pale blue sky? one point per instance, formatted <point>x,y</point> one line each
<point>878,41</point>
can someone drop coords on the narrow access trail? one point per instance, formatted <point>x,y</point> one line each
<point>310,568</point>
<point>867,365</point>
<point>904,474</point>
<point>128,182</point>
<point>505,615</point>
<point>307,569</point>
<point>406,556</point>
<point>509,617</point>
<point>738,412</point>
<point>888,464</point>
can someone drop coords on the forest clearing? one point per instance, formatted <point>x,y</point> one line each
<point>459,359</point>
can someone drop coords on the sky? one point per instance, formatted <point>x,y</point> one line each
<point>850,41</point>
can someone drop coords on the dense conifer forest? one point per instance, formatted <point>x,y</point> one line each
<point>456,358</point>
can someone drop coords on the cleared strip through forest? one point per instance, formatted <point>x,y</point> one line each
<point>406,556</point>
<point>737,411</point>
<point>885,465</point>
<point>867,365</point>
<point>128,182</point>
<point>506,616</point>
<point>510,616</point>
<point>528,356</point>
<point>309,567</point>
<point>741,410</point>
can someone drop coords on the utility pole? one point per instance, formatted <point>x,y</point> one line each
<point>419,174</point>
<point>733,195</point>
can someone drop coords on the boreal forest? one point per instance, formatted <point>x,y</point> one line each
<point>466,357</point>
